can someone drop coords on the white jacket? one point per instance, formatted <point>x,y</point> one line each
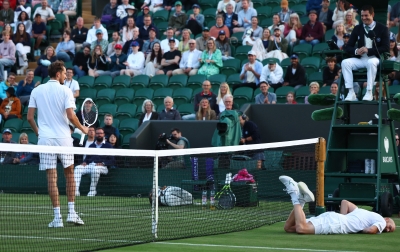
<point>136,61</point>
<point>272,77</point>
<point>91,35</point>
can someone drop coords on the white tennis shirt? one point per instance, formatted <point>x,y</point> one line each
<point>51,101</point>
<point>360,219</point>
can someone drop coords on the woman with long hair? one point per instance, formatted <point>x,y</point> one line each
<point>393,50</point>
<point>113,140</point>
<point>22,41</point>
<point>11,106</point>
<point>184,43</point>
<point>376,92</point>
<point>24,157</point>
<point>65,50</point>
<point>153,60</point>
<point>44,61</point>
<point>223,90</point>
<point>127,31</point>
<point>350,20</point>
<point>205,112</point>
<point>292,31</point>
<point>23,17</point>
<point>211,59</point>
<point>291,98</point>
<point>260,46</point>
<point>97,64</point>
<point>7,28</point>
<point>148,112</point>
<point>222,43</point>
<point>276,23</point>
<point>338,36</point>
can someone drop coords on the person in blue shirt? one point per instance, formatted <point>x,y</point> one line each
<point>251,71</point>
<point>313,5</point>
<point>65,50</point>
<point>38,33</point>
<point>117,60</point>
<point>25,88</point>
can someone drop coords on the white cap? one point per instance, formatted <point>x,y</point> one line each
<point>251,52</point>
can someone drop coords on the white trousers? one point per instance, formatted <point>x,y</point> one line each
<point>22,50</point>
<point>348,65</point>
<point>94,171</point>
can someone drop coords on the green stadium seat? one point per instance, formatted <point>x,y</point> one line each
<point>272,3</point>
<point>211,23</point>
<point>126,140</point>
<point>160,94</point>
<point>160,16</point>
<point>230,66</point>
<point>275,9</point>
<point>162,27</point>
<point>33,139</point>
<point>141,95</point>
<point>264,12</point>
<point>206,4</point>
<point>186,109</point>
<point>182,95</point>
<point>26,127</point>
<point>318,49</point>
<point>177,81</point>
<point>125,111</point>
<point>242,95</point>
<point>266,22</point>
<point>140,81</point>
<point>161,108</point>
<point>209,14</point>
<point>315,76</point>
<point>300,9</point>
<point>241,52</point>
<point>56,25</point>
<point>282,92</point>
<point>102,82</point>
<point>105,96</point>
<point>217,79</point>
<point>45,80</point>
<point>14,124</point>
<point>265,62</point>
<point>234,79</point>
<point>196,91</point>
<point>311,64</point>
<point>107,109</point>
<point>329,34</point>
<point>325,90</point>
<point>394,89</point>
<point>124,95</point>
<point>301,93</point>
<point>285,63</point>
<point>87,93</point>
<point>158,81</point>
<point>86,82</point>
<point>121,81</point>
<point>37,79</point>
<point>115,123</point>
<point>238,36</point>
<point>303,50</point>
<point>128,126</point>
<point>196,81</point>
<point>25,113</point>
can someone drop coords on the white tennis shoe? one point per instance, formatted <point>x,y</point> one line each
<point>368,96</point>
<point>291,185</point>
<point>92,193</point>
<point>75,219</point>
<point>56,223</point>
<point>305,194</point>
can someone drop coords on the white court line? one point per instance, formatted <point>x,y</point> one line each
<point>251,247</point>
<point>67,239</point>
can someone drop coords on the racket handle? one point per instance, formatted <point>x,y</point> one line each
<point>82,139</point>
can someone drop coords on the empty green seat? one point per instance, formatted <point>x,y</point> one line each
<point>242,95</point>
<point>128,126</point>
<point>177,81</point>
<point>105,96</point>
<point>124,95</point>
<point>311,64</point>
<point>234,79</point>
<point>282,92</point>
<point>158,81</point>
<point>160,94</point>
<point>160,16</point>
<point>26,127</point>
<point>196,81</point>
<point>209,14</point>
<point>301,93</point>
<point>141,95</point>
<point>241,52</point>
<point>121,81</point>
<point>186,109</point>
<point>318,49</point>
<point>230,66</point>
<point>85,82</point>
<point>14,124</point>
<point>126,140</point>
<point>102,82</point>
<point>125,111</point>
<point>217,79</point>
<point>302,50</point>
<point>300,9</point>
<point>86,93</point>
<point>264,13</point>
<point>317,77</point>
<point>238,39</point>
<point>33,139</point>
<point>182,95</point>
<point>108,109</point>
<point>140,81</point>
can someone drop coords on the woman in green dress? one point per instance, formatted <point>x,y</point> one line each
<point>211,59</point>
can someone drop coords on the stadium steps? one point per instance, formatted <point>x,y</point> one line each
<point>87,13</point>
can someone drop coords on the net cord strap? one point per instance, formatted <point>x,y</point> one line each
<point>155,199</point>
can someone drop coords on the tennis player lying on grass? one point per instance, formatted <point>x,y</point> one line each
<point>351,219</point>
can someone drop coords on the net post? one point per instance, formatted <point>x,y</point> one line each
<point>320,155</point>
<point>154,215</point>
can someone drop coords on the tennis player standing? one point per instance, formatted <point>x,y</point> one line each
<point>55,105</point>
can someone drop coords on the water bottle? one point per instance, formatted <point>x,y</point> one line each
<point>212,201</point>
<point>204,199</point>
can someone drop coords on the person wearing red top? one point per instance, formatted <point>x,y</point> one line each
<point>312,32</point>
<point>291,98</point>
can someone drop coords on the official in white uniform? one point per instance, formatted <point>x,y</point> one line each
<point>372,39</point>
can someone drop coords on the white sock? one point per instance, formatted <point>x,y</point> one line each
<point>295,198</point>
<point>57,213</point>
<point>71,207</point>
<point>351,90</point>
<point>302,203</point>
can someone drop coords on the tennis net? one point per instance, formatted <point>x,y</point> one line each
<point>121,213</point>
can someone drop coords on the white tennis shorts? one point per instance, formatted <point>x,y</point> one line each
<point>327,223</point>
<point>49,160</point>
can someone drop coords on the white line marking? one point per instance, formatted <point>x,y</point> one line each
<point>67,239</point>
<point>250,247</point>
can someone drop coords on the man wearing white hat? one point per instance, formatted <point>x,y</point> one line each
<point>251,71</point>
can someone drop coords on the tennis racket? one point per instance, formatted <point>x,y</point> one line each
<point>89,115</point>
<point>226,198</point>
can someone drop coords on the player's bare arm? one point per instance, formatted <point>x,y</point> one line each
<point>74,120</point>
<point>31,120</point>
<point>347,207</point>
<point>371,230</point>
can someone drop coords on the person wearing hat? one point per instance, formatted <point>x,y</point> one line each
<point>121,9</point>
<point>244,17</point>
<point>365,52</point>
<point>195,21</point>
<point>394,51</point>
<point>165,45</point>
<point>100,41</point>
<point>222,43</point>
<point>285,12</point>
<point>178,20</point>
<point>230,16</point>
<point>201,42</point>
<point>170,59</point>
<point>313,5</point>
<point>325,15</point>
<point>130,12</point>
<point>116,39</point>
<point>144,30</point>
<point>153,5</point>
<point>91,36</point>
<point>7,157</point>
<point>11,106</point>
<point>313,31</point>
<point>272,74</point>
<point>79,34</point>
<point>116,61</point>
<point>251,71</point>
<point>189,63</point>
<point>127,48</point>
<point>295,74</point>
<point>148,44</point>
<point>135,63</point>
<point>218,27</point>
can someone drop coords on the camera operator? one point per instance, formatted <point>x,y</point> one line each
<point>177,142</point>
